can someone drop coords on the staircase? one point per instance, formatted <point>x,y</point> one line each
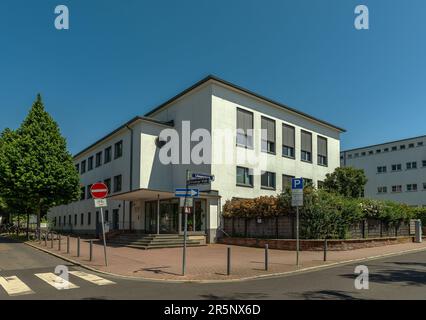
<point>152,241</point>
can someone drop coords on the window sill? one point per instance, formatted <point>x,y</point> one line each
<point>269,152</point>
<point>306,161</point>
<point>244,185</point>
<point>244,146</point>
<point>268,188</point>
<point>323,165</point>
<point>289,157</point>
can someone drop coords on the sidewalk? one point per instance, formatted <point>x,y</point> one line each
<point>209,262</point>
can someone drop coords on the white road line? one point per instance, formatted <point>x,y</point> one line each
<point>14,286</point>
<point>56,281</point>
<point>92,278</point>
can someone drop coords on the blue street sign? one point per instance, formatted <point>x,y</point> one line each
<point>296,183</point>
<point>202,176</point>
<point>182,192</point>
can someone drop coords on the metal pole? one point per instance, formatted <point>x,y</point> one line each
<point>228,264</point>
<point>103,233</point>
<point>325,249</point>
<point>59,242</point>
<point>68,244</point>
<point>266,256</point>
<point>158,214</point>
<point>185,229</point>
<point>51,240</point>
<point>78,247</point>
<point>91,250</point>
<point>297,236</point>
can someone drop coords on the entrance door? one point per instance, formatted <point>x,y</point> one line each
<point>169,211</point>
<point>115,219</point>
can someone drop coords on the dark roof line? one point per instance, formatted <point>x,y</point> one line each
<point>128,123</point>
<point>212,77</point>
<point>381,144</point>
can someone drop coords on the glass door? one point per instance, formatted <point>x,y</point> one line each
<point>169,211</point>
<point>151,217</point>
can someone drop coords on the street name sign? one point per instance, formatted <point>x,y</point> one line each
<point>183,192</point>
<point>195,178</point>
<point>99,190</point>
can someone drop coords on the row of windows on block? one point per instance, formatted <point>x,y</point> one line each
<point>267,179</point>
<point>384,150</point>
<point>398,188</point>
<point>118,183</point>
<point>245,136</point>
<point>97,159</point>
<point>59,222</point>
<point>398,167</point>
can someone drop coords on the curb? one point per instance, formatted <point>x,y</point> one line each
<point>258,277</point>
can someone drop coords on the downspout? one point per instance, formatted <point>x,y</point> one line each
<point>131,177</point>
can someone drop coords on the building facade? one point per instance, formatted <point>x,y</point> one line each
<point>255,147</point>
<point>395,170</point>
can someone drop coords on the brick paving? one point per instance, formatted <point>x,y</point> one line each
<point>207,262</point>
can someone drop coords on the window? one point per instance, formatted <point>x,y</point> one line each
<point>89,218</point>
<point>54,221</point>
<point>75,219</point>
<point>244,128</point>
<point>118,150</point>
<point>356,155</point>
<point>287,181</point>
<point>288,133</point>
<point>60,221</point>
<point>322,151</point>
<point>394,148</point>
<point>411,145</point>
<point>320,184</point>
<point>396,167</point>
<point>381,169</point>
<point>82,219</point>
<point>107,155</point>
<point>117,183</point>
<point>397,188</point>
<point>420,144</point>
<point>402,147</point>
<point>82,193</point>
<point>69,220</point>
<point>382,189</point>
<point>77,167</point>
<point>65,220</point>
<point>363,154</point>
<point>378,151</point>
<point>268,180</point>
<point>306,152</point>
<point>307,182</point>
<point>424,163</point>
<point>98,159</point>
<point>412,187</point>
<point>90,163</point>
<point>83,166</point>
<point>386,150</point>
<point>424,185</point>
<point>268,135</point>
<point>244,177</point>
<point>108,184</point>
<point>106,216</point>
<point>411,165</point>
<point>371,152</point>
<point>89,194</point>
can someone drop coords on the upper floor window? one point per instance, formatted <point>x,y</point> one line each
<point>411,165</point>
<point>108,184</point>
<point>83,166</point>
<point>371,152</point>
<point>268,135</point>
<point>289,141</point>
<point>386,150</point>
<point>107,155</point>
<point>268,180</point>
<point>90,163</point>
<point>287,181</point>
<point>412,187</point>
<point>424,163</point>
<point>396,167</point>
<point>424,185</point>
<point>82,193</point>
<point>394,148</point>
<point>77,167</point>
<point>402,146</point>
<point>322,151</point>
<point>411,145</point>
<point>82,219</point>
<point>89,218</point>
<point>378,151</point>
<point>363,153</point>
<point>306,149</point>
<point>420,143</point>
<point>117,183</point>
<point>397,188</point>
<point>244,177</point>
<point>381,169</point>
<point>118,149</point>
<point>244,128</point>
<point>98,159</point>
<point>382,189</point>
<point>89,193</point>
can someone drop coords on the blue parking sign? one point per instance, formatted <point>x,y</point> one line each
<point>296,183</point>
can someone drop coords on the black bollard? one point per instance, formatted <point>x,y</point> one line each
<point>228,267</point>
<point>91,250</point>
<point>325,249</point>
<point>266,257</point>
<point>68,244</point>
<point>78,247</point>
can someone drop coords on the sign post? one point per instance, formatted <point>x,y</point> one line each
<point>297,201</point>
<point>99,192</point>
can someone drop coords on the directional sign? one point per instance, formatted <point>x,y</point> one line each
<point>198,181</point>
<point>99,190</point>
<point>182,192</point>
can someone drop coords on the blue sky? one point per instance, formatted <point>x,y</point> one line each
<point>122,58</point>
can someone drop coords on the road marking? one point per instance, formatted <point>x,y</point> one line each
<point>56,281</point>
<point>14,286</point>
<point>92,278</point>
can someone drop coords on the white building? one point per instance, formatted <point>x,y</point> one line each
<point>295,145</point>
<point>395,170</point>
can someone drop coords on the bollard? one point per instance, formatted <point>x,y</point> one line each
<point>91,250</point>
<point>78,247</point>
<point>59,242</point>
<point>68,244</point>
<point>325,249</point>
<point>51,240</point>
<point>266,256</point>
<point>45,239</point>
<point>228,267</point>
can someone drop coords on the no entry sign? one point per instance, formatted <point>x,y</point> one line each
<point>99,190</point>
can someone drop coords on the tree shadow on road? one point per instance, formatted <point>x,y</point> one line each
<point>325,295</point>
<point>403,277</point>
<point>236,296</point>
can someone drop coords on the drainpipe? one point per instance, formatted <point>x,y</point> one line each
<point>131,178</point>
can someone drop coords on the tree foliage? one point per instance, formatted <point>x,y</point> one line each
<point>347,181</point>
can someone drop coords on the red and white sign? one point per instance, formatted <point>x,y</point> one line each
<point>99,190</point>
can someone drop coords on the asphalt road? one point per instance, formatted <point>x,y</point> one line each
<point>397,277</point>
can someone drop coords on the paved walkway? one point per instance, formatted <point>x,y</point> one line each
<point>207,262</point>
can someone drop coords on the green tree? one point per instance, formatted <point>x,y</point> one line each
<point>347,181</point>
<point>35,166</point>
